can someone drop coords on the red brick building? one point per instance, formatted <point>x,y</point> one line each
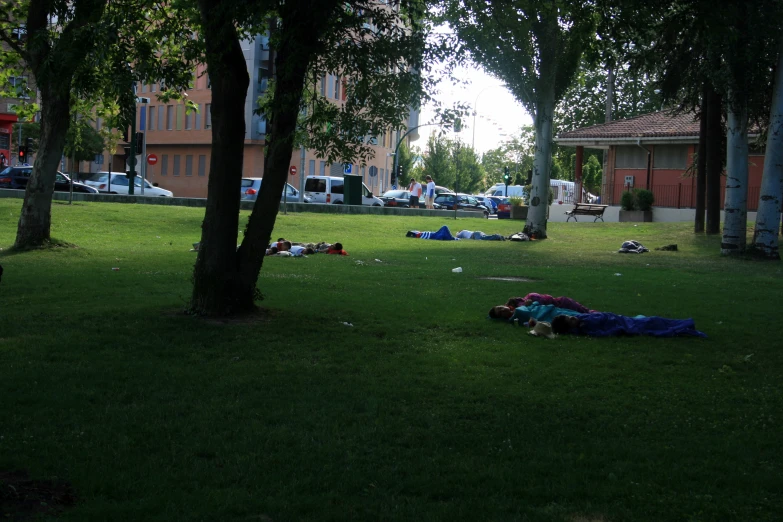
<point>654,151</point>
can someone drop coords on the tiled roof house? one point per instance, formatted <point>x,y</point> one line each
<point>654,151</point>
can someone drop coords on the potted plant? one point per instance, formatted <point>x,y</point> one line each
<point>636,206</point>
<point>518,207</point>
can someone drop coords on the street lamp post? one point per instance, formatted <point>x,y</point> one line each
<point>475,111</point>
<point>402,138</point>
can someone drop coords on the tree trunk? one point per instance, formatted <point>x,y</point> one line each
<point>225,277</point>
<point>35,220</point>
<point>297,45</point>
<point>217,286</point>
<point>701,165</point>
<point>736,206</point>
<point>714,164</point>
<point>609,94</point>
<point>539,192</point>
<point>765,235</point>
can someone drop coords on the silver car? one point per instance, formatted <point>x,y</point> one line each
<point>252,186</point>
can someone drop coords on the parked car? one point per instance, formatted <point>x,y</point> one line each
<point>401,199</point>
<point>330,189</point>
<point>17,177</point>
<point>252,186</point>
<point>487,202</point>
<point>462,202</point>
<point>119,185</point>
<point>504,207</point>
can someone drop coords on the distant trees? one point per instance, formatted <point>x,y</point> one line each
<point>453,165</point>
<point>535,47</point>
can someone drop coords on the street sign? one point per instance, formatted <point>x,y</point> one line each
<point>292,170</point>
<point>152,159</point>
<point>373,171</point>
<point>347,167</point>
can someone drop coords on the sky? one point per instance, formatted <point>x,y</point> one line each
<point>498,112</point>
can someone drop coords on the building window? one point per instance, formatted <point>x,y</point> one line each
<point>322,169</point>
<point>161,115</point>
<point>19,84</point>
<point>189,165</point>
<point>670,157</point>
<point>164,164</point>
<point>197,116</point>
<point>152,118</point>
<point>329,87</point>
<point>169,117</point>
<point>262,125</point>
<point>154,87</point>
<point>143,87</point>
<point>208,116</point>
<point>336,87</point>
<point>180,116</point>
<point>630,157</point>
<point>189,120</point>
<point>176,164</point>
<point>311,168</point>
<point>202,165</point>
<point>323,86</point>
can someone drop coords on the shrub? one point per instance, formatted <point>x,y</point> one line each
<point>516,201</point>
<point>627,201</point>
<point>644,199</point>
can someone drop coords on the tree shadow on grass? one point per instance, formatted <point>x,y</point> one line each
<point>22,498</point>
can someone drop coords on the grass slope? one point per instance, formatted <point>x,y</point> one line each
<point>422,410</point>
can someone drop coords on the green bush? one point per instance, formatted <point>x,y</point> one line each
<point>516,201</point>
<point>627,201</point>
<point>644,199</point>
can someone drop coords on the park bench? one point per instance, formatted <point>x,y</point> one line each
<point>587,209</point>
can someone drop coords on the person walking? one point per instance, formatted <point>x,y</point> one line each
<point>415,190</point>
<point>429,197</point>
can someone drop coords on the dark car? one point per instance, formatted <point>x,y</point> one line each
<point>17,177</point>
<point>396,198</point>
<point>401,199</point>
<point>464,202</point>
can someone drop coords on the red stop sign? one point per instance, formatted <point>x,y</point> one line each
<point>152,159</point>
<point>292,170</point>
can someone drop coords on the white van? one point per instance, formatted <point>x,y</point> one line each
<point>563,190</point>
<point>330,189</point>
<point>513,191</point>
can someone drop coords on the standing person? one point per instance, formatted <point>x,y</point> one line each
<point>415,190</point>
<point>2,161</point>
<point>430,195</point>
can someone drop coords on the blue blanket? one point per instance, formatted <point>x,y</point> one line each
<point>605,324</point>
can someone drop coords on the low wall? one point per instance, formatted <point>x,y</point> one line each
<point>557,213</point>
<point>248,205</point>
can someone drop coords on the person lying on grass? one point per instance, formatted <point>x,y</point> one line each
<point>605,324</point>
<point>545,299</point>
<point>525,313</point>
<point>337,249</point>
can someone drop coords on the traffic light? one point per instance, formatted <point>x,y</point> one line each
<point>28,146</point>
<point>139,142</point>
<point>506,176</point>
<point>22,154</point>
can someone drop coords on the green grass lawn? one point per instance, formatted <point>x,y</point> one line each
<point>424,409</point>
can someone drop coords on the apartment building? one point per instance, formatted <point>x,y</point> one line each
<point>181,142</point>
<point>23,84</point>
